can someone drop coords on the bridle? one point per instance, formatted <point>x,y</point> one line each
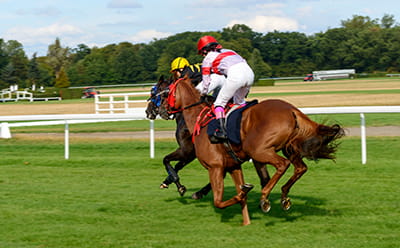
<point>171,98</point>
<point>155,97</point>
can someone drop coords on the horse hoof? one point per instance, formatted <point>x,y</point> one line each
<point>163,186</point>
<point>197,196</point>
<point>286,204</point>
<point>246,187</point>
<point>265,205</point>
<point>182,190</point>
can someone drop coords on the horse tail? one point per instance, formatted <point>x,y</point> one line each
<point>316,141</point>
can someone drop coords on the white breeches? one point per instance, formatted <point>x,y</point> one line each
<point>237,85</point>
<point>216,82</point>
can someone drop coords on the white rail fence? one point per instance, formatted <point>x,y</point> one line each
<point>117,102</point>
<point>139,114</point>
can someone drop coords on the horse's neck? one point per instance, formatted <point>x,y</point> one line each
<point>190,114</point>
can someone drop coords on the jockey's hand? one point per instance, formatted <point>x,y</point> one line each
<point>207,99</point>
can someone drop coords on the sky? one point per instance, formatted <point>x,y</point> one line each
<point>37,23</point>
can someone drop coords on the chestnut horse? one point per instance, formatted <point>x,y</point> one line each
<point>266,128</point>
<point>185,153</point>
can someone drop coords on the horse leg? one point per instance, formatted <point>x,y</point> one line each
<point>299,169</point>
<point>242,189</point>
<point>281,164</point>
<point>262,173</point>
<point>202,192</point>
<point>217,182</point>
<point>184,159</point>
<point>172,175</point>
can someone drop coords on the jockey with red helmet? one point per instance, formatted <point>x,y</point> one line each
<point>239,77</point>
<point>180,67</point>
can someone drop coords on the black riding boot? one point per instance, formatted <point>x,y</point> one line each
<point>219,135</point>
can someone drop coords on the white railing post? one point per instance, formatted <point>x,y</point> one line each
<point>151,138</point>
<point>363,140</point>
<point>126,103</point>
<point>111,104</point>
<point>96,103</point>
<point>66,140</point>
<point>5,131</point>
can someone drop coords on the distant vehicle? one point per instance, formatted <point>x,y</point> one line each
<point>90,92</point>
<point>330,74</point>
<point>309,77</point>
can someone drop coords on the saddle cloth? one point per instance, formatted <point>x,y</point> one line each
<point>233,121</point>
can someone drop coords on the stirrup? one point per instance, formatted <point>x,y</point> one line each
<point>217,139</point>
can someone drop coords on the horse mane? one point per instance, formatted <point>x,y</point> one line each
<point>186,82</point>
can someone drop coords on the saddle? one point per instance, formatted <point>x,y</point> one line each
<point>233,121</point>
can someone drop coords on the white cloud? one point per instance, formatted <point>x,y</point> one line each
<point>42,34</point>
<point>123,4</point>
<point>265,24</point>
<point>38,39</point>
<point>148,35</point>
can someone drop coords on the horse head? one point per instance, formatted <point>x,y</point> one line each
<point>157,92</point>
<point>177,99</point>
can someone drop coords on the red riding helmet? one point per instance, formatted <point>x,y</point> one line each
<point>206,41</point>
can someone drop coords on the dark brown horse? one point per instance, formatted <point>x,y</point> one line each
<point>185,153</point>
<point>266,128</point>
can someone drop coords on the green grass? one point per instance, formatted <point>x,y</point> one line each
<point>107,195</point>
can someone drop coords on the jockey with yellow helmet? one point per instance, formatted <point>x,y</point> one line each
<point>239,77</point>
<point>180,67</point>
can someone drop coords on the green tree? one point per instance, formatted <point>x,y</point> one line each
<point>387,21</point>
<point>240,31</point>
<point>62,80</point>
<point>3,54</point>
<point>80,52</point>
<point>358,22</point>
<point>260,68</point>
<point>46,72</point>
<point>127,64</point>
<point>34,75</point>
<point>57,57</point>
<point>8,75</point>
<point>15,71</point>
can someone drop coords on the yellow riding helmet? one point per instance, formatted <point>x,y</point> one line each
<point>179,63</point>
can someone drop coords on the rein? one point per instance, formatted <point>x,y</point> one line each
<point>172,97</point>
<point>181,109</point>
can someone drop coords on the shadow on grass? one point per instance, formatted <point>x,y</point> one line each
<point>302,206</point>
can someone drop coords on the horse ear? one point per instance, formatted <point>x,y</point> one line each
<point>161,79</point>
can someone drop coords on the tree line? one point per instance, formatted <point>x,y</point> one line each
<point>361,43</point>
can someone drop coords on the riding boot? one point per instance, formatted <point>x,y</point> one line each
<point>219,135</point>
